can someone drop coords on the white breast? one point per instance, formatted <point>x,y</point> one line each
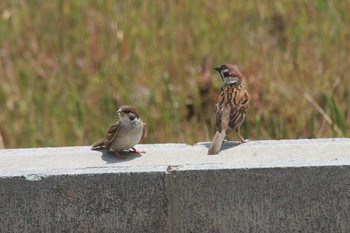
<point>128,137</point>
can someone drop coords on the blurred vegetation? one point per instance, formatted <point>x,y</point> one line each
<point>66,65</point>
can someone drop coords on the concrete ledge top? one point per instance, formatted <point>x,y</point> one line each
<point>38,162</point>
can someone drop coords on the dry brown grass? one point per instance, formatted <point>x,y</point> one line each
<point>66,65</point>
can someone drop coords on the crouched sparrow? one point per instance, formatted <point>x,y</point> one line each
<point>128,131</point>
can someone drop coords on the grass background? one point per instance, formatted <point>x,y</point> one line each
<point>66,65</point>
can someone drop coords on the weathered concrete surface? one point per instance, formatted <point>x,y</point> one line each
<point>260,186</point>
<point>311,199</point>
<point>132,202</point>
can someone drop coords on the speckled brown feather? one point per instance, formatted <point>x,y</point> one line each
<point>110,136</point>
<point>236,98</point>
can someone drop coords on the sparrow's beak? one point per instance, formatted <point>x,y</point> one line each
<point>217,68</point>
<point>119,111</point>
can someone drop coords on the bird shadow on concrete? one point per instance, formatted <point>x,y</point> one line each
<point>224,146</point>
<point>111,157</point>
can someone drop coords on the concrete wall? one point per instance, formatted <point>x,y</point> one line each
<point>260,186</point>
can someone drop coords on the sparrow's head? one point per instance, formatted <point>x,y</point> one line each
<point>229,73</point>
<point>127,114</point>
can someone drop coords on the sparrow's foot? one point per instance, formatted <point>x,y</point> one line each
<point>119,156</point>
<point>136,151</point>
<point>242,139</point>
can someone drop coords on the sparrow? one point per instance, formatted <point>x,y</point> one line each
<point>230,107</point>
<point>125,133</point>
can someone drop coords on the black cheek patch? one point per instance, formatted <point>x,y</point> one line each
<point>132,117</point>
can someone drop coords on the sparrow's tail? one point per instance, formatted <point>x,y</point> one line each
<point>216,144</point>
<point>98,144</point>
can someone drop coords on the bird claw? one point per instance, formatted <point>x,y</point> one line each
<point>244,140</point>
<point>119,156</point>
<point>136,151</point>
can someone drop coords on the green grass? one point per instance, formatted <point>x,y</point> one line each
<point>66,65</point>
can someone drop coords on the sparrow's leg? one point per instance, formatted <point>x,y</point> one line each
<point>119,156</point>
<point>240,136</point>
<point>136,151</point>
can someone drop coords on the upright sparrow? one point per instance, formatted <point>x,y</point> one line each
<point>230,107</point>
<point>125,133</point>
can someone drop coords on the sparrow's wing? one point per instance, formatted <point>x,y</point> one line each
<point>218,116</point>
<point>99,144</point>
<point>144,132</point>
<point>244,98</point>
<point>111,135</point>
<point>237,113</point>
